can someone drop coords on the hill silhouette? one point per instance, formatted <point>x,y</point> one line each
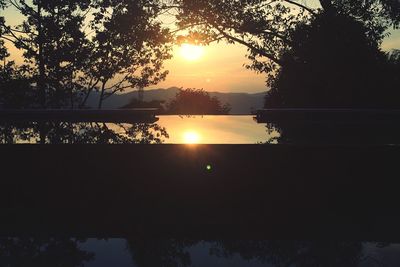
<point>241,103</point>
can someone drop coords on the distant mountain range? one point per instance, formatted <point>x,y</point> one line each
<point>241,103</point>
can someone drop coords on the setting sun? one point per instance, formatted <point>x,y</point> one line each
<point>191,52</point>
<point>191,137</point>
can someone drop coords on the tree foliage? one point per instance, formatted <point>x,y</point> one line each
<point>73,48</point>
<point>15,87</point>
<point>196,102</point>
<point>129,45</point>
<point>3,50</point>
<point>333,63</point>
<point>52,43</point>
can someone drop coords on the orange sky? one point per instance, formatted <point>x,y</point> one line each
<point>220,68</point>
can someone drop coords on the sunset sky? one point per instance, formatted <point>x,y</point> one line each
<point>219,68</point>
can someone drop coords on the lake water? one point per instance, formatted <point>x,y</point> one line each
<point>214,130</point>
<point>201,130</point>
<point>170,253</point>
<point>167,130</point>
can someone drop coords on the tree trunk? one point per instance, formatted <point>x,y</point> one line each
<point>41,81</point>
<point>83,103</point>
<point>72,90</point>
<point>42,132</point>
<point>103,86</point>
<point>327,5</point>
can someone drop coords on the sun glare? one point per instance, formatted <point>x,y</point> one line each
<point>191,52</point>
<point>191,137</point>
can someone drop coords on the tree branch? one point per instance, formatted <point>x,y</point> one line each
<point>250,46</point>
<point>89,91</point>
<point>15,40</point>
<point>301,6</point>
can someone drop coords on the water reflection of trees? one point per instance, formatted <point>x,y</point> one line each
<point>43,252</point>
<point>166,253</point>
<point>145,252</point>
<point>82,133</point>
<point>295,253</point>
<point>272,253</point>
<point>333,133</point>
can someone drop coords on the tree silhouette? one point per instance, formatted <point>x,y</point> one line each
<point>15,87</point>
<point>196,102</point>
<point>333,64</point>
<point>130,44</point>
<point>393,67</point>
<point>53,46</point>
<point>2,21</point>
<point>72,48</point>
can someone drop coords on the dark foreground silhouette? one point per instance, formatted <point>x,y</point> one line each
<point>347,192</point>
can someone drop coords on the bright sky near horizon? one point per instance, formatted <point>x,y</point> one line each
<point>221,69</point>
<point>220,66</point>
